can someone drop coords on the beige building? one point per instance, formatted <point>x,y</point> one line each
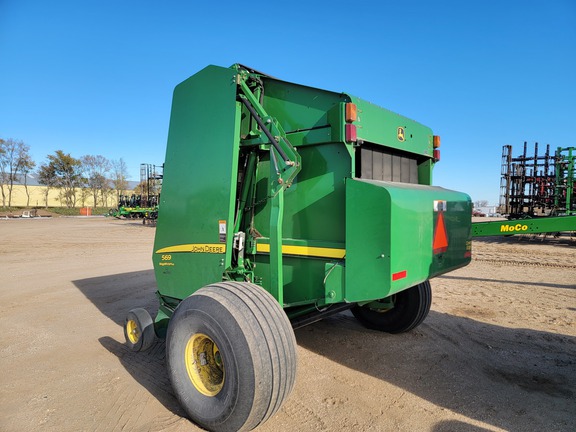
<point>36,197</point>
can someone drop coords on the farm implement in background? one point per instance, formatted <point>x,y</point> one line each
<point>537,193</point>
<point>524,226</point>
<point>142,206</point>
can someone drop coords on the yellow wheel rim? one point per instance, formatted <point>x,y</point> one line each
<point>204,364</point>
<point>133,331</point>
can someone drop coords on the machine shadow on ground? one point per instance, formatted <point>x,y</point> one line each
<point>457,426</point>
<point>455,362</point>
<point>519,368</point>
<point>148,368</point>
<point>114,296</point>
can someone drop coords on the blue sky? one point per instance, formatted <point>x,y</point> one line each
<point>96,77</point>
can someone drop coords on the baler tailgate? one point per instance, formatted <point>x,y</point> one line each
<point>399,235</point>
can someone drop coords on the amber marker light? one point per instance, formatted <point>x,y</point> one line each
<point>351,112</point>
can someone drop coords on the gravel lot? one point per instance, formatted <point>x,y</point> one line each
<point>497,352</point>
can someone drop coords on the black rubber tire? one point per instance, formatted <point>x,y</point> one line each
<point>139,330</point>
<point>411,307</point>
<point>257,352</point>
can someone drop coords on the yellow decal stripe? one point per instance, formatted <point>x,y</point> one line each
<point>216,248</point>
<point>213,248</point>
<point>305,251</point>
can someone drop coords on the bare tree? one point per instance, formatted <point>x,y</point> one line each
<point>26,167</point>
<point>3,170</point>
<point>96,169</point>
<point>13,155</point>
<point>105,194</point>
<point>141,188</point>
<point>47,177</point>
<point>119,177</point>
<point>84,195</point>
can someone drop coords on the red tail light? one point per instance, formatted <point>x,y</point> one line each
<point>351,135</point>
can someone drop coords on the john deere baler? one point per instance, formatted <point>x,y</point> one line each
<point>282,204</point>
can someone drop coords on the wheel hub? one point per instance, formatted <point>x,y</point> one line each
<point>132,331</point>
<point>204,364</point>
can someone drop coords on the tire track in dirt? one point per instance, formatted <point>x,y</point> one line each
<point>306,418</point>
<point>132,405</point>
<point>525,263</point>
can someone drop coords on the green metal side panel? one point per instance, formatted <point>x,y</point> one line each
<point>380,126</point>
<point>314,215</point>
<point>299,107</point>
<point>303,278</point>
<point>392,230</point>
<point>524,226</point>
<point>199,182</point>
<point>314,204</point>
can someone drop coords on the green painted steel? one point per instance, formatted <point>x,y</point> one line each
<point>199,184</point>
<point>380,126</point>
<point>391,229</point>
<point>565,169</point>
<point>132,212</point>
<point>262,182</point>
<point>524,226</point>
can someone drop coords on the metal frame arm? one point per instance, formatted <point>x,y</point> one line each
<point>283,155</point>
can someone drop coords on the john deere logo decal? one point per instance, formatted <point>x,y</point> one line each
<point>400,134</point>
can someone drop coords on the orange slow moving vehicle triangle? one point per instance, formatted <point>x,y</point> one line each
<point>440,238</point>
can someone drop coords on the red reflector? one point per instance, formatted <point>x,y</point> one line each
<point>437,155</point>
<point>467,254</point>
<point>400,275</point>
<point>351,133</point>
<point>440,243</point>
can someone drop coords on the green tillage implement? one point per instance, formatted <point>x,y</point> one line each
<point>132,212</point>
<point>524,226</point>
<point>283,204</point>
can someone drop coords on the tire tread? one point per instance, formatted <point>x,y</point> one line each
<point>270,343</point>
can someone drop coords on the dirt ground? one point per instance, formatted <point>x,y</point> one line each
<point>497,352</point>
